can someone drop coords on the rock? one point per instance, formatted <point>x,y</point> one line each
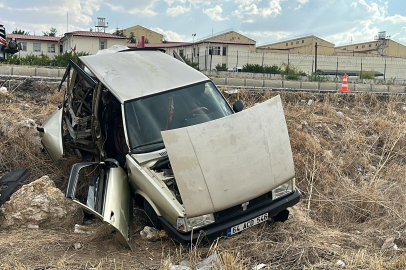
<point>185,263</point>
<point>389,244</point>
<point>211,262</point>
<point>259,266</point>
<point>340,114</point>
<point>77,245</point>
<point>83,229</point>
<point>340,263</point>
<point>40,203</point>
<point>152,234</point>
<point>33,227</point>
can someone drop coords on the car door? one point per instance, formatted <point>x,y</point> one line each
<point>108,197</point>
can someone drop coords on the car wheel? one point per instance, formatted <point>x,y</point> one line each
<point>150,217</point>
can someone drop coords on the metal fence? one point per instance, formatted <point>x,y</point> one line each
<point>391,68</point>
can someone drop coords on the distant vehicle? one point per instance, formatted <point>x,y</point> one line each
<point>235,69</point>
<point>156,130</point>
<point>12,46</point>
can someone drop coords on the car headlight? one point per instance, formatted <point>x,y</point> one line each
<point>186,224</point>
<point>283,189</point>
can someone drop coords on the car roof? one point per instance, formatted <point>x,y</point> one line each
<point>134,74</point>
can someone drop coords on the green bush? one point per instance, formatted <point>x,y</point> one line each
<point>220,67</point>
<point>317,78</point>
<point>255,68</point>
<point>193,65</point>
<point>60,60</point>
<point>295,77</point>
<point>367,75</point>
<point>291,70</point>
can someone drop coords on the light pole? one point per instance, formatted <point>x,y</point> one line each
<point>193,47</point>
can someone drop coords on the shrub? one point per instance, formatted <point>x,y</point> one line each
<point>220,67</point>
<point>60,60</point>
<point>367,75</point>
<point>255,68</point>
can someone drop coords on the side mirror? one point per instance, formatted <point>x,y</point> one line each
<point>238,106</point>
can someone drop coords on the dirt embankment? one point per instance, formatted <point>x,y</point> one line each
<point>350,167</point>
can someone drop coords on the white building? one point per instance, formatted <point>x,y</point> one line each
<point>36,45</point>
<point>207,53</point>
<point>91,42</point>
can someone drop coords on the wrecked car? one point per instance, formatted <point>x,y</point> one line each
<point>155,131</point>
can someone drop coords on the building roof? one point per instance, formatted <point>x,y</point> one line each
<point>184,44</point>
<point>225,33</point>
<point>134,74</point>
<point>219,41</point>
<point>93,34</point>
<point>162,45</point>
<point>29,37</point>
<point>292,39</point>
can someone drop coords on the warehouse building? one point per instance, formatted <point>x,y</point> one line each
<point>138,31</point>
<point>302,45</point>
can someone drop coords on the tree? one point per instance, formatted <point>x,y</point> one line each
<point>20,32</point>
<point>132,38</point>
<point>119,32</point>
<point>52,32</point>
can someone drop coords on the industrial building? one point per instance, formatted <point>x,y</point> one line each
<point>302,45</point>
<point>231,36</point>
<point>138,31</point>
<point>382,46</point>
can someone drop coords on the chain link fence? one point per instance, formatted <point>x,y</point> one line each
<point>391,68</point>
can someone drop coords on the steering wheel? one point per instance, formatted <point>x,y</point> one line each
<point>198,109</point>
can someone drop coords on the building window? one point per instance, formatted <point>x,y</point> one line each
<point>60,48</point>
<point>181,52</point>
<point>51,48</point>
<point>302,40</point>
<point>356,47</point>
<point>363,46</point>
<point>291,43</point>
<point>102,45</point>
<point>216,50</point>
<point>224,51</point>
<point>287,44</point>
<point>36,47</point>
<point>297,42</point>
<point>24,46</point>
<point>376,44</point>
<point>370,45</point>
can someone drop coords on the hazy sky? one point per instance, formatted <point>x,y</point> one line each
<point>265,21</point>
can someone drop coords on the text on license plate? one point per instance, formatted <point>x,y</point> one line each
<point>252,222</point>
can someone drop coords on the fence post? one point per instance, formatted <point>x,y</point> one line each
<point>287,69</point>
<point>384,72</point>
<point>337,69</point>
<point>205,59</point>
<point>360,75</point>
<point>236,66</point>
<point>262,59</point>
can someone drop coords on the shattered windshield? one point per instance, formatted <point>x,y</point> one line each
<point>147,117</point>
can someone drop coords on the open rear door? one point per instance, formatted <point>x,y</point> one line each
<point>108,197</point>
<point>51,134</point>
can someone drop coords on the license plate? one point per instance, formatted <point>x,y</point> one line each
<point>252,222</point>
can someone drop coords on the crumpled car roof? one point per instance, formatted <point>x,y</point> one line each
<point>134,74</point>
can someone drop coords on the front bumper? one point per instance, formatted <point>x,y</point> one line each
<point>220,229</point>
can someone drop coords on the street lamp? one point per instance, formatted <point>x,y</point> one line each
<point>193,47</point>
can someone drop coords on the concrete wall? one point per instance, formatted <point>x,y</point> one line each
<point>31,71</point>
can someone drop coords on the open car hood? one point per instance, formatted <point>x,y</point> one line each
<point>229,161</point>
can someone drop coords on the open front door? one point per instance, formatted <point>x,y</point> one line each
<point>51,134</point>
<point>108,197</point>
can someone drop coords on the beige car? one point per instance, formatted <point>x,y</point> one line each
<point>153,130</point>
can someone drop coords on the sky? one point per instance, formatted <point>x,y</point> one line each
<point>266,21</point>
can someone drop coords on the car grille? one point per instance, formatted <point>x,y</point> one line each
<point>238,210</point>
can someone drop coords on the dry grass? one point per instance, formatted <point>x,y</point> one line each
<point>351,172</point>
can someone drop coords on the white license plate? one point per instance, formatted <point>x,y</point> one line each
<point>247,224</point>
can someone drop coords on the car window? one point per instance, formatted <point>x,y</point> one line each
<point>147,117</point>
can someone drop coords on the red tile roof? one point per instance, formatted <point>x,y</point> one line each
<point>93,34</point>
<point>162,45</point>
<point>29,37</point>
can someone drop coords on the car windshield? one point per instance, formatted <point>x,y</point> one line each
<point>147,117</point>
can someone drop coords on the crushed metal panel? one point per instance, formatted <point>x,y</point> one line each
<point>11,181</point>
<point>52,135</point>
<point>189,177</point>
<point>241,157</point>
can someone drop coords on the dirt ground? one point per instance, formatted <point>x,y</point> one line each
<point>350,168</point>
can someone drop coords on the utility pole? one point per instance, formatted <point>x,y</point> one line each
<point>315,57</point>
<point>193,47</point>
